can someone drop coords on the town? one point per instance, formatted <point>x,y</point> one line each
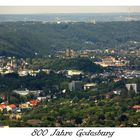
<point>119,73</point>
<point>70,70</point>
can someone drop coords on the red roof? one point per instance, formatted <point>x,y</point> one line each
<point>34,102</point>
<point>12,106</point>
<point>2,106</point>
<point>135,107</point>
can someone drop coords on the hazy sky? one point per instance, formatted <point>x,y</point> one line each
<point>66,9</point>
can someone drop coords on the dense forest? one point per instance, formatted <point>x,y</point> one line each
<point>83,64</point>
<point>30,38</point>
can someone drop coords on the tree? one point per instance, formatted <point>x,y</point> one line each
<point>78,120</point>
<point>1,100</point>
<point>123,118</point>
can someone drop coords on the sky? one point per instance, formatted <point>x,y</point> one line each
<point>67,9</point>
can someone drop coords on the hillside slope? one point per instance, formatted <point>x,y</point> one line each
<point>27,38</point>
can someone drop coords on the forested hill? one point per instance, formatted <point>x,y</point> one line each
<point>28,38</point>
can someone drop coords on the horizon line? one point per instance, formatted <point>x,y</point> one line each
<point>67,9</point>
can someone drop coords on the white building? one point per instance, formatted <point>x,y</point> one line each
<point>89,86</point>
<point>133,86</point>
<point>26,92</point>
<point>74,72</point>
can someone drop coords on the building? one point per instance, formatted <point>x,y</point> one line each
<point>110,61</point>
<point>133,86</point>
<point>75,86</point>
<point>137,107</point>
<point>22,72</point>
<point>47,71</point>
<point>10,107</point>
<point>69,53</point>
<point>84,53</point>
<point>33,102</point>
<point>117,92</point>
<point>41,98</point>
<point>74,72</point>
<point>2,107</point>
<point>21,92</point>
<point>89,86</point>
<point>117,79</point>
<point>25,105</point>
<point>26,92</point>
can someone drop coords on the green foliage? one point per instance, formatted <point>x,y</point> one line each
<point>26,38</point>
<point>83,64</point>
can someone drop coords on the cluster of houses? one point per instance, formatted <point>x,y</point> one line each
<point>110,61</point>
<point>11,64</point>
<point>18,108</point>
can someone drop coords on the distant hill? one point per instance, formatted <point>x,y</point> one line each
<point>75,17</point>
<point>27,38</point>
<point>83,64</point>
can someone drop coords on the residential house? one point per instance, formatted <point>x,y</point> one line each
<point>2,107</point>
<point>25,105</point>
<point>10,107</point>
<point>117,92</point>
<point>33,102</point>
<point>89,86</point>
<point>117,79</point>
<point>26,92</point>
<point>41,98</point>
<point>74,72</point>
<point>137,107</point>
